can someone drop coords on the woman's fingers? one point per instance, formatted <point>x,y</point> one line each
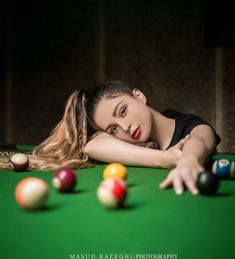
<point>166,183</point>
<point>179,179</point>
<point>178,185</point>
<point>174,181</point>
<point>189,181</point>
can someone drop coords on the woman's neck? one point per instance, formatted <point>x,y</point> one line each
<point>162,129</point>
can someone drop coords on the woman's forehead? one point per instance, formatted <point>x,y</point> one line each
<point>111,102</point>
<point>108,104</point>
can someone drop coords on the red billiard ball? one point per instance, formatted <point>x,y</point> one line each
<point>112,193</point>
<point>64,180</point>
<point>19,162</point>
<point>32,193</point>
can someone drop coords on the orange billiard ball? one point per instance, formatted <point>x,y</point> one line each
<point>115,171</point>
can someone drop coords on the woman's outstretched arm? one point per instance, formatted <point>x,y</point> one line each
<point>105,147</point>
<point>195,153</point>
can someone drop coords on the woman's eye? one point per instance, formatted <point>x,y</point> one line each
<point>123,111</point>
<point>113,130</point>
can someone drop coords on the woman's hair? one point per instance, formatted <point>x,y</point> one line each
<point>65,147</point>
<point>110,89</point>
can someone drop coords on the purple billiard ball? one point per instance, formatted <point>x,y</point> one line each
<point>64,180</point>
<point>19,162</point>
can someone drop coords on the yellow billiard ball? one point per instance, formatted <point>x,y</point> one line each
<point>115,171</point>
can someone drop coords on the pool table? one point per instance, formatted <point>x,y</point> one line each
<point>153,224</point>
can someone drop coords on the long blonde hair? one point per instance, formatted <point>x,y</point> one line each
<point>65,147</point>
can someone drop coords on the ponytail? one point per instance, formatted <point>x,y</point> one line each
<point>65,147</point>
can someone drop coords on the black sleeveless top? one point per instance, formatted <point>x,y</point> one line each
<point>184,123</point>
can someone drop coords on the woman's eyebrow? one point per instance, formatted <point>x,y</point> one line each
<point>115,109</point>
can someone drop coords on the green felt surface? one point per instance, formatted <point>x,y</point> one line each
<point>152,222</point>
<point>223,155</point>
<point>25,148</point>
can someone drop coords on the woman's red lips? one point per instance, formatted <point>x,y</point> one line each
<point>136,133</point>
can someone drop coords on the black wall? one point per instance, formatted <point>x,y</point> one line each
<point>178,52</point>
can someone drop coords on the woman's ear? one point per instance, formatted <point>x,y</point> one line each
<point>139,95</point>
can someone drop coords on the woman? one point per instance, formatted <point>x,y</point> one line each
<point>114,123</point>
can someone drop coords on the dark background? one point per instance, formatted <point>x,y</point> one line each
<point>180,53</point>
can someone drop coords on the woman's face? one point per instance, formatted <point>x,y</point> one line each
<point>125,117</point>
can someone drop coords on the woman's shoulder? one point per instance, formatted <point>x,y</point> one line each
<point>184,123</point>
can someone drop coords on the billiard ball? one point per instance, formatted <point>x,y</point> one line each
<point>115,171</point>
<point>207,183</point>
<point>64,180</point>
<point>112,193</point>
<point>32,193</point>
<point>224,168</point>
<point>19,162</point>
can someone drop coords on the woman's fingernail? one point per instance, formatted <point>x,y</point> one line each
<point>195,191</point>
<point>179,191</point>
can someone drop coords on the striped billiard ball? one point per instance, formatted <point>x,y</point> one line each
<point>32,193</point>
<point>112,193</point>
<point>224,168</point>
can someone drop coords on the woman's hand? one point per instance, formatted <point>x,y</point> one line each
<point>174,154</point>
<point>185,173</point>
<point>195,152</point>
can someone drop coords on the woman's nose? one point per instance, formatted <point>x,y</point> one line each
<point>125,126</point>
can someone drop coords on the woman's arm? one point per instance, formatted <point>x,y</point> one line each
<point>105,147</point>
<point>202,143</point>
<point>195,153</point>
